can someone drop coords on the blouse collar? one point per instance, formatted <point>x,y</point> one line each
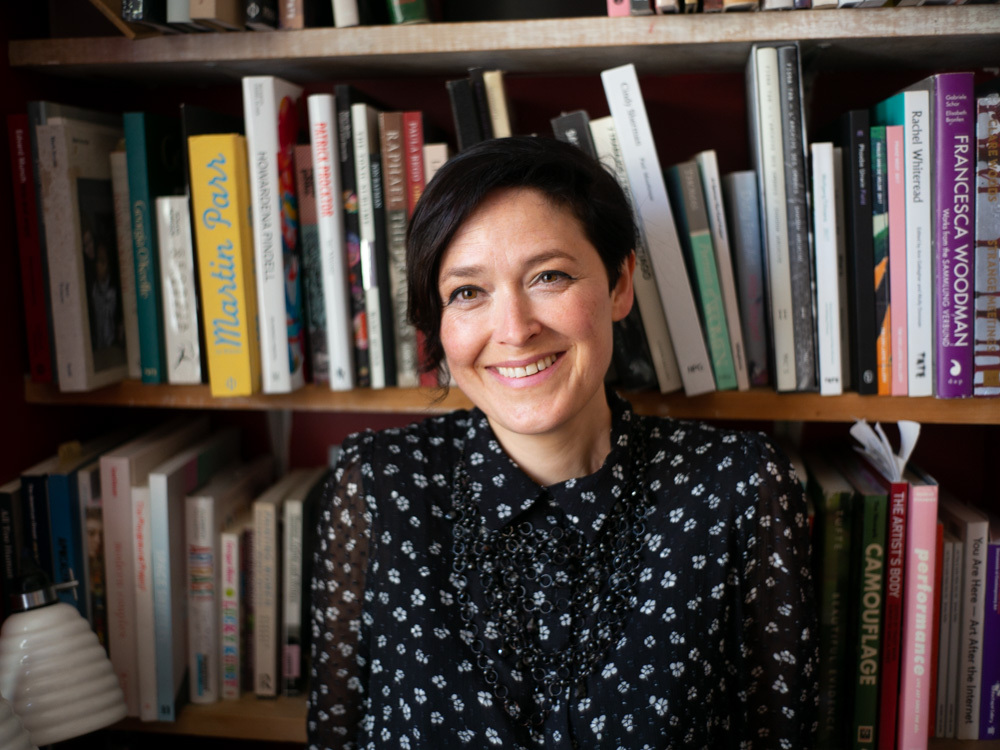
<point>505,492</point>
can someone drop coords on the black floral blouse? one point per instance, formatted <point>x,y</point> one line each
<point>717,648</point>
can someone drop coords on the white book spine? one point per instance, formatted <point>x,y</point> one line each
<point>202,626</point>
<point>345,13</point>
<point>144,618</point>
<point>231,621</point>
<point>708,166</point>
<point>330,224</point>
<point>180,297</point>
<point>365,128</point>
<point>261,98</point>
<point>266,601</point>
<point>919,230</point>
<point>621,87</point>
<point>116,507</point>
<point>661,349</point>
<point>126,261</point>
<point>775,215</point>
<point>825,258</point>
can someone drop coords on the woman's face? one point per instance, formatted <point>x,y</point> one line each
<point>527,316</point>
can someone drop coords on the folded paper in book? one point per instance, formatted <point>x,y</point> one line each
<point>875,446</point>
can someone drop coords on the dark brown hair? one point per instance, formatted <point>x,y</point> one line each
<point>561,171</point>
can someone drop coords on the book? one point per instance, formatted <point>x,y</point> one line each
<point>986,381</point>
<point>971,526</point>
<point>918,598</point>
<point>224,247</point>
<point>989,704</point>
<point>896,195</point>
<point>708,169</point>
<point>390,128</point>
<point>743,223</point>
<point>314,309</point>
<point>854,139</point>
<point>647,296</point>
<point>947,566</point>
<point>619,8</point>
<point>144,618</point>
<point>331,250</point>
<point>234,647</point>
<point>936,633</point>
<point>953,134</point>
<point>126,261</point>
<point>501,115</point>
<point>910,108</point>
<point>345,97</point>
<point>345,13</point>
<point>687,199</point>
<point>261,15</point>
<point>181,328</point>
<point>151,14</point>
<point>169,483</point>
<point>122,468</point>
<point>219,15</point>
<point>298,524</point>
<point>153,154</point>
<point>793,140</point>
<point>482,105</point>
<point>828,302</point>
<point>842,269</point>
<point>207,511</point>
<point>270,112</point>
<point>10,539</point>
<point>84,285</point>
<point>408,11</point>
<point>93,581</point>
<point>303,14</point>
<point>373,245</point>
<point>880,258</point>
<point>955,640</point>
<point>29,248</point>
<point>268,533</point>
<point>656,222</point>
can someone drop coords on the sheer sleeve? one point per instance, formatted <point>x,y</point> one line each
<point>780,631</point>
<point>340,563</point>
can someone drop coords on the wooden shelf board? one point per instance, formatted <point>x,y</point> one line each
<point>756,405</point>
<point>942,37</point>
<point>249,718</point>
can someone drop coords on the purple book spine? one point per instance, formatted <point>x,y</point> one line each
<point>989,697</point>
<point>954,132</point>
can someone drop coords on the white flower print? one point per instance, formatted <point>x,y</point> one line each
<point>394,576</point>
<point>457,703</point>
<point>439,681</point>
<point>677,668</point>
<point>503,510</point>
<point>609,671</point>
<point>669,580</point>
<point>698,562</point>
<point>485,699</point>
<point>399,613</point>
<point>658,704</point>
<point>419,695</point>
<point>417,598</point>
<point>466,736</point>
<point>648,607</point>
<point>597,725</point>
<point>493,737</point>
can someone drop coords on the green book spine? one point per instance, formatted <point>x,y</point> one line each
<point>408,11</point>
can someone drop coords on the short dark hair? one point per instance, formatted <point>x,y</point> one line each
<point>561,171</point>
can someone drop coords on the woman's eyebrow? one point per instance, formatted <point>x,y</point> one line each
<point>472,269</point>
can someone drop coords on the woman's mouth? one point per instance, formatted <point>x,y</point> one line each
<point>530,369</point>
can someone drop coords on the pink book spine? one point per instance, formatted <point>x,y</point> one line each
<point>897,257</point>
<point>918,612</point>
<point>619,7</point>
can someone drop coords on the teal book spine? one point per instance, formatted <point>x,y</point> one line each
<point>67,537</point>
<point>408,11</point>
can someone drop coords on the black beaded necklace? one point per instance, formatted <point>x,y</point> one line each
<point>598,579</point>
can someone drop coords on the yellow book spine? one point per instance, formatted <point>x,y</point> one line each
<point>220,204</point>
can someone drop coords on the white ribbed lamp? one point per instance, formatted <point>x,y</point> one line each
<point>54,671</point>
<point>13,735</point>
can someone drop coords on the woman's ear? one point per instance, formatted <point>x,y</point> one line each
<point>622,294</point>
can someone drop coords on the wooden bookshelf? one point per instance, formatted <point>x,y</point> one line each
<point>759,404</point>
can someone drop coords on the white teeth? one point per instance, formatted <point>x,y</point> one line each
<point>520,372</point>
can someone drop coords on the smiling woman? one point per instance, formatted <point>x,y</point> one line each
<point>550,569</point>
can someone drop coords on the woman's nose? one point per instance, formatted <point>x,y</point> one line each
<point>516,322</point>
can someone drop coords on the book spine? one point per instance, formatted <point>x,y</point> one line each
<point>345,13</point>
<point>743,219</point>
<point>266,599</point>
<point>574,127</point>
<point>291,607</point>
<point>330,236</point>
<point>919,263</point>
<point>10,543</point>
<point>827,290</point>
<point>262,15</point>
<point>144,248</point>
<point>656,221</point>
<point>221,201</point>
<point>842,267</point>
<point>145,623</point>
<point>230,619</point>
<point>880,259</point>
<point>989,705</point>
<point>953,160</point>
<point>248,610</point>
<point>856,156</point>
<point>126,262</point>
<point>66,532</point>
<point>708,168</point>
<point>935,634</point>
<point>468,130</point>
<point>203,625</point>
<point>944,638</point>
<point>413,145</point>
<point>269,108</point>
<point>116,515</point>
<point>764,93</point>
<point>180,298</point>
<point>29,247</point>
<point>312,272</point>
<point>956,639</point>
<point>892,617</point>
<point>348,178</point>
<point>896,194</point>
<point>163,615</point>
<point>499,106</point>
<point>987,274</point>
<point>35,532</point>
<point>918,597</point>
<point>618,8</point>
<point>797,198</point>
<point>408,11</point>
<point>94,574</point>
<point>654,321</point>
<point>394,192</point>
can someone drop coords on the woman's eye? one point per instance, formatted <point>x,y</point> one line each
<point>464,294</point>
<point>549,277</point>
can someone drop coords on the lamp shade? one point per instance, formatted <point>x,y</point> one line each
<point>56,674</point>
<point>13,735</point>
